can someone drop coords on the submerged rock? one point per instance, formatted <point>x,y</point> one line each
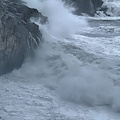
<point>18,36</point>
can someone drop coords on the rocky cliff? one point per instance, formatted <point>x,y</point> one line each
<point>18,36</point>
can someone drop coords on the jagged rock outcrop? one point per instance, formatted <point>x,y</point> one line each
<point>18,36</point>
<point>87,6</point>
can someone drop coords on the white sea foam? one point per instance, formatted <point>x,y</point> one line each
<point>62,23</point>
<point>59,68</point>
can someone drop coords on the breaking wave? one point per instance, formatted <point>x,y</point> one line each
<point>63,65</point>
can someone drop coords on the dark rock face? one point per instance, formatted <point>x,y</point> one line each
<point>97,3</point>
<point>18,36</point>
<point>84,6</point>
<point>87,6</point>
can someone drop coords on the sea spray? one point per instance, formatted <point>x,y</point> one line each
<point>62,23</point>
<point>62,71</point>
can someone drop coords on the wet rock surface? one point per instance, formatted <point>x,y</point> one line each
<point>18,36</point>
<point>87,6</point>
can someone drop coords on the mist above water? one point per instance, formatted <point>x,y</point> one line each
<point>62,23</point>
<point>62,71</point>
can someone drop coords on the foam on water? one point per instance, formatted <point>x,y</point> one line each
<point>62,70</point>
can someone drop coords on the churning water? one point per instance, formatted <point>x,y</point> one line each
<point>79,58</point>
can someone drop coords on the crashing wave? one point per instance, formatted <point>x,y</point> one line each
<point>110,8</point>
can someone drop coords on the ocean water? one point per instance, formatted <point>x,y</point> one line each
<point>78,62</point>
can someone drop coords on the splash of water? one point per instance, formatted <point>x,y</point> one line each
<point>62,71</point>
<point>62,23</point>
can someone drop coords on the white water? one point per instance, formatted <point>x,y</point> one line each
<point>81,83</point>
<point>61,22</point>
<point>79,68</point>
<point>113,8</point>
